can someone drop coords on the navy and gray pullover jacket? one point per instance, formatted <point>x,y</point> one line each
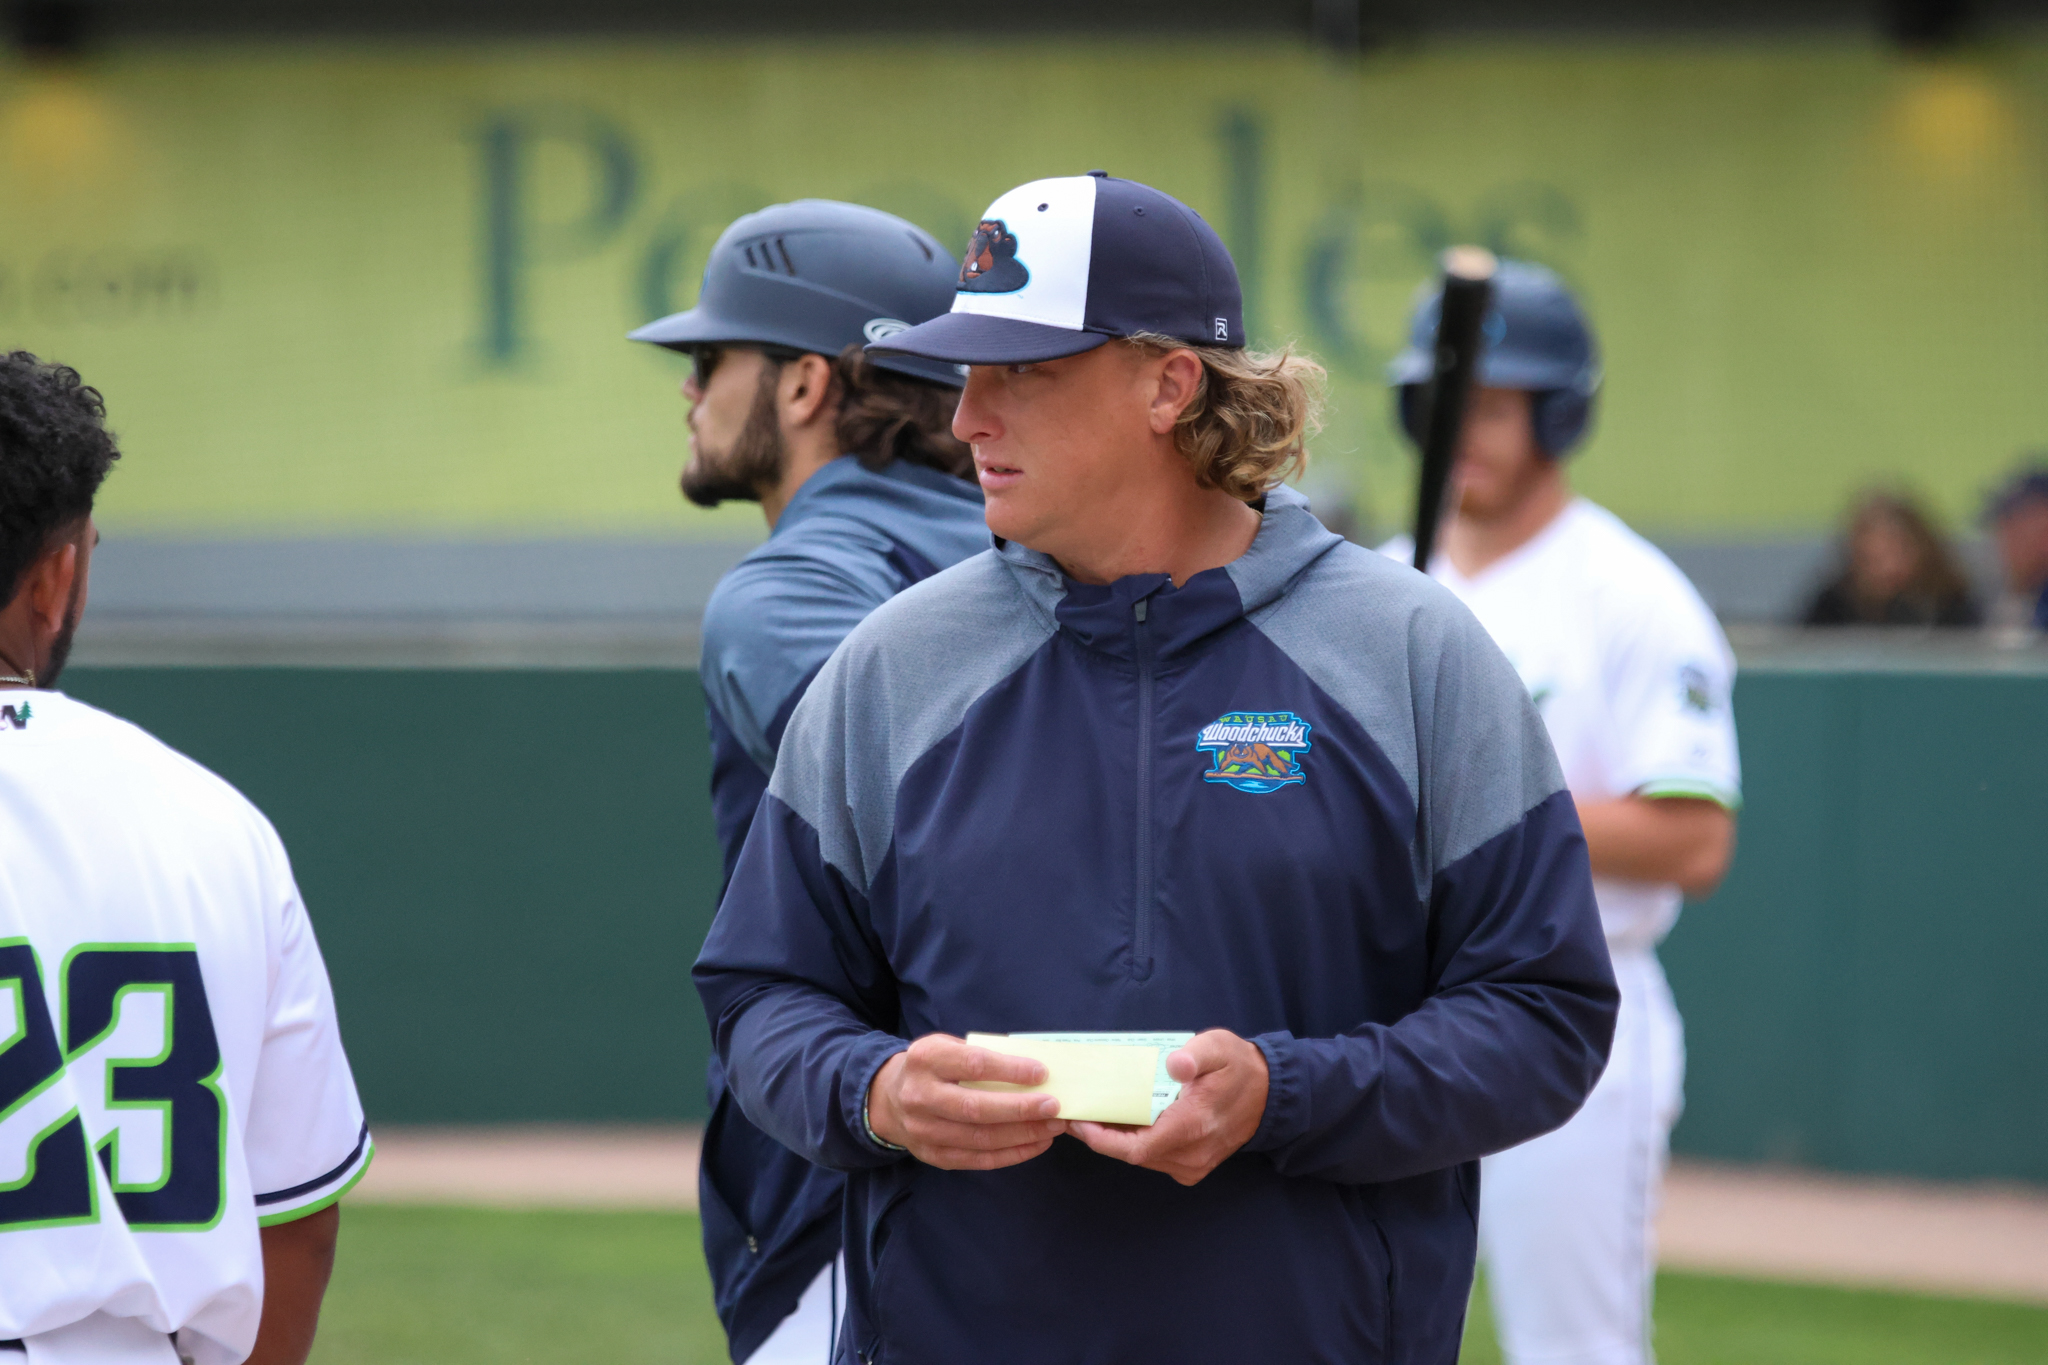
<point>849,540</point>
<point>1302,797</point>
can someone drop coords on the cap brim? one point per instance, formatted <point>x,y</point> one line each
<point>687,331</point>
<point>978,339</point>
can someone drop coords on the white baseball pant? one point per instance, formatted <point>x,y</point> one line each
<point>1566,1220</point>
<point>807,1335</point>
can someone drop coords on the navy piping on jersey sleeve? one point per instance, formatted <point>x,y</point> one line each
<point>280,1196</point>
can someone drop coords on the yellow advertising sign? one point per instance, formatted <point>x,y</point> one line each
<point>384,289</point>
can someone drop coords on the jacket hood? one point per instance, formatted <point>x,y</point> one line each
<point>1289,541</point>
<point>846,482</point>
<point>918,508</point>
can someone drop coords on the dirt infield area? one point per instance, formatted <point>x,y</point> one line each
<point>1958,1239</point>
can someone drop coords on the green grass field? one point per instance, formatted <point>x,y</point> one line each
<point>1716,1320</point>
<point>426,1286</point>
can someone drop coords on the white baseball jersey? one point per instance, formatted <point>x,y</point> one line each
<point>1632,675</point>
<point>1629,669</point>
<point>171,1072</point>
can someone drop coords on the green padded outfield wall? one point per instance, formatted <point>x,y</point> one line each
<point>1869,989</point>
<point>367,288</point>
<point>511,871</point>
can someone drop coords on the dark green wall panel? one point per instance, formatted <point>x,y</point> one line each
<point>511,871</point>
<point>1865,993</point>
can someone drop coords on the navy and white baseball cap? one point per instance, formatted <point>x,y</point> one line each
<point>1058,267</point>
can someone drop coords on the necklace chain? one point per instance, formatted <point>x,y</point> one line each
<point>29,681</point>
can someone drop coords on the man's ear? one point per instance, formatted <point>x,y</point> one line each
<point>50,580</point>
<point>808,392</point>
<point>1180,380</point>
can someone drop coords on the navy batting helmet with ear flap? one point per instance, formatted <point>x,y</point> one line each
<point>1535,339</point>
<point>818,275</point>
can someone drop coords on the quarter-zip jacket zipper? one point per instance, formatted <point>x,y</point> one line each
<point>1141,915</point>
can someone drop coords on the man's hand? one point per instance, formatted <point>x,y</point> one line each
<point>918,1102</point>
<point>1222,1099</point>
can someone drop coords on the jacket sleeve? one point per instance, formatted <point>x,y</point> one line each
<point>1517,1011</point>
<point>800,999</point>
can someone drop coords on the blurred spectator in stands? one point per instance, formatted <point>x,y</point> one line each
<point>1896,571</point>
<point>2018,519</point>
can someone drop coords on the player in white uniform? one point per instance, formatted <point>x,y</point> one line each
<point>177,1117</point>
<point>1632,675</point>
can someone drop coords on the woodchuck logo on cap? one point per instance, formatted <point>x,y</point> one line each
<point>991,265</point>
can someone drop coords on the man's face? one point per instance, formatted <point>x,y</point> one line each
<point>736,445</point>
<point>1053,445</point>
<point>1498,458</point>
<point>2022,536</point>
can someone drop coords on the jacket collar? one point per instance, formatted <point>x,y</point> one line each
<point>1289,540</point>
<point>846,485</point>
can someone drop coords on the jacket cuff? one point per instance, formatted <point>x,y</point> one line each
<point>873,1054</point>
<point>1287,1111</point>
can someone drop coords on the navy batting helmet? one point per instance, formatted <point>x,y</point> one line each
<point>818,276</point>
<point>1535,338</point>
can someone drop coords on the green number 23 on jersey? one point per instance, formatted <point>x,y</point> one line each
<point>138,1038</point>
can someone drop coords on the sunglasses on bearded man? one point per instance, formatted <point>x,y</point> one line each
<point>704,360</point>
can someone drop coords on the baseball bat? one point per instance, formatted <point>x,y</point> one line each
<point>1468,287</point>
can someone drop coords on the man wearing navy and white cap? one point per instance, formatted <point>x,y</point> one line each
<point>1171,759</point>
<point>864,491</point>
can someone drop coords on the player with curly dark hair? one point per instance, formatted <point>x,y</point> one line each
<point>155,958</point>
<point>55,450</point>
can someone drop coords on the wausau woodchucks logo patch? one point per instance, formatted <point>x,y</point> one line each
<point>1255,751</point>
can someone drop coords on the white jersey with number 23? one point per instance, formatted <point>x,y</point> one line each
<point>171,1072</point>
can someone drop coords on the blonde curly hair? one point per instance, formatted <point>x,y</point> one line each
<point>1247,428</point>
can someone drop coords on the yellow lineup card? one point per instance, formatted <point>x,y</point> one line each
<point>1101,1077</point>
